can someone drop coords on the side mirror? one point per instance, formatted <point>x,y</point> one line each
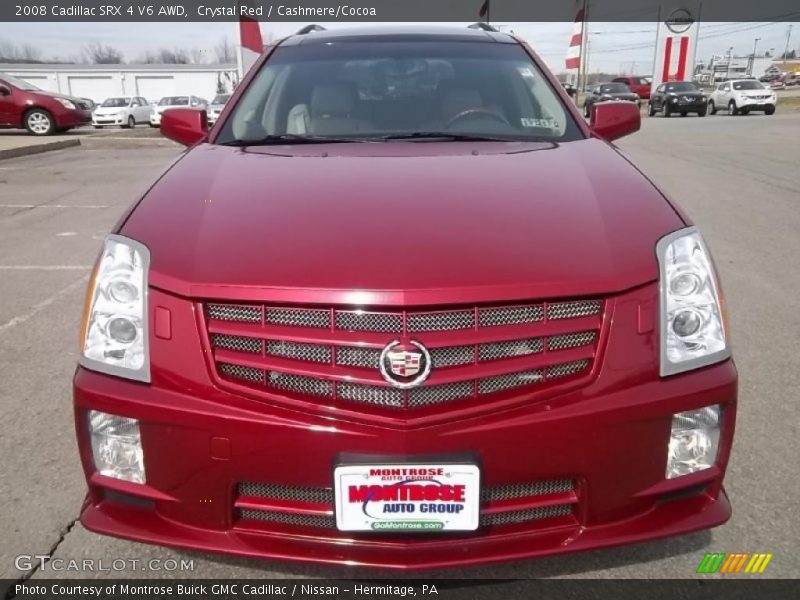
<point>186,126</point>
<point>612,120</point>
<point>4,90</point>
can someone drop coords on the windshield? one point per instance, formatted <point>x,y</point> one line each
<point>614,88</point>
<point>747,85</point>
<point>682,86</point>
<point>370,91</point>
<point>115,102</point>
<point>19,83</point>
<point>174,101</point>
<point>220,99</point>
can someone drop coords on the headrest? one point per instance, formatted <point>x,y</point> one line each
<point>333,99</point>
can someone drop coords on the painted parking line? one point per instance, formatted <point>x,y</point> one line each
<point>54,206</point>
<point>45,267</point>
<point>37,308</point>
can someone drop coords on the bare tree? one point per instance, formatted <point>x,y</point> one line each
<point>225,52</point>
<point>99,54</point>
<point>19,53</point>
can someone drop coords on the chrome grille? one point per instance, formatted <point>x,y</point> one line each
<point>231,312</point>
<point>452,355</point>
<point>571,340</point>
<point>319,521</point>
<point>510,349</point>
<point>510,315</point>
<point>346,345</point>
<point>324,496</point>
<point>441,321</point>
<point>236,342</point>
<point>358,357</point>
<point>566,369</point>
<point>531,514</point>
<point>368,394</point>
<point>298,317</point>
<point>241,372</point>
<point>436,394</point>
<point>286,492</point>
<point>573,310</point>
<point>299,384</point>
<point>306,352</point>
<point>523,490</point>
<point>510,381</point>
<point>369,321</point>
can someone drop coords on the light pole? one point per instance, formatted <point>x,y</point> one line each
<point>730,57</point>
<point>753,59</point>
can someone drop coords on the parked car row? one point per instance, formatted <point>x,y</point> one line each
<point>737,96</point>
<point>23,105</point>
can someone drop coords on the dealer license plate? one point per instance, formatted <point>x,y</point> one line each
<point>416,497</point>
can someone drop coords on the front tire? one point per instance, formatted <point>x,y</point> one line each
<point>732,110</point>
<point>770,110</point>
<point>667,111</point>
<point>131,122</point>
<point>711,107</point>
<point>701,113</point>
<point>38,121</point>
<point>587,111</point>
<point>651,111</point>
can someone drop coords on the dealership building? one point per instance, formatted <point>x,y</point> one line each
<point>152,82</point>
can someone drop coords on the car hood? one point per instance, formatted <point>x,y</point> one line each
<point>402,223</point>
<point>73,99</point>
<point>109,110</point>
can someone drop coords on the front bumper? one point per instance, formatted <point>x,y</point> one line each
<point>155,119</point>
<point>610,437</point>
<point>691,106</point>
<point>109,120</point>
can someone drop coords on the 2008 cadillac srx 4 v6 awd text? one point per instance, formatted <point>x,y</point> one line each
<point>402,307</point>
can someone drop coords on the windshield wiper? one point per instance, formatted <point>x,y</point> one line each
<point>437,136</point>
<point>293,138</point>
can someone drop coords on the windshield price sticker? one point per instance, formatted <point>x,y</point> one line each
<point>407,497</point>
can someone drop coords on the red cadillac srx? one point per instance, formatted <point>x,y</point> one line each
<point>402,307</point>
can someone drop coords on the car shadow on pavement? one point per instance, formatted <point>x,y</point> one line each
<point>590,563</point>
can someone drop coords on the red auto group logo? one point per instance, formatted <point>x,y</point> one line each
<point>405,365</point>
<point>408,491</point>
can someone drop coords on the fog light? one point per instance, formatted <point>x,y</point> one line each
<point>116,446</point>
<point>693,442</point>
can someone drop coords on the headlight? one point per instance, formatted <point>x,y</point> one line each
<point>693,327</point>
<point>114,332</point>
<point>66,103</point>
<point>693,441</point>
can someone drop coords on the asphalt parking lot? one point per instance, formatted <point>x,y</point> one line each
<point>738,178</point>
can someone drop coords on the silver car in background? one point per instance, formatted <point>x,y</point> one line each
<point>216,106</point>
<point>175,102</point>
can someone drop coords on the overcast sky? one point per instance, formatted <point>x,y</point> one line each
<point>614,47</point>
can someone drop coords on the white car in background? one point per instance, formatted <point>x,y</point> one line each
<point>216,106</point>
<point>175,102</point>
<point>124,111</point>
<point>740,96</point>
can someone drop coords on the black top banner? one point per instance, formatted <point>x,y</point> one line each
<point>322,11</point>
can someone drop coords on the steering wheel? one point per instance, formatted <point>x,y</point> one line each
<point>473,112</point>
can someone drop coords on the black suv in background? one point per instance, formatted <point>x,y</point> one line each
<point>681,97</point>
<point>603,92</point>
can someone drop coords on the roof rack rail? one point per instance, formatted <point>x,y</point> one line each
<point>483,26</point>
<point>309,29</point>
